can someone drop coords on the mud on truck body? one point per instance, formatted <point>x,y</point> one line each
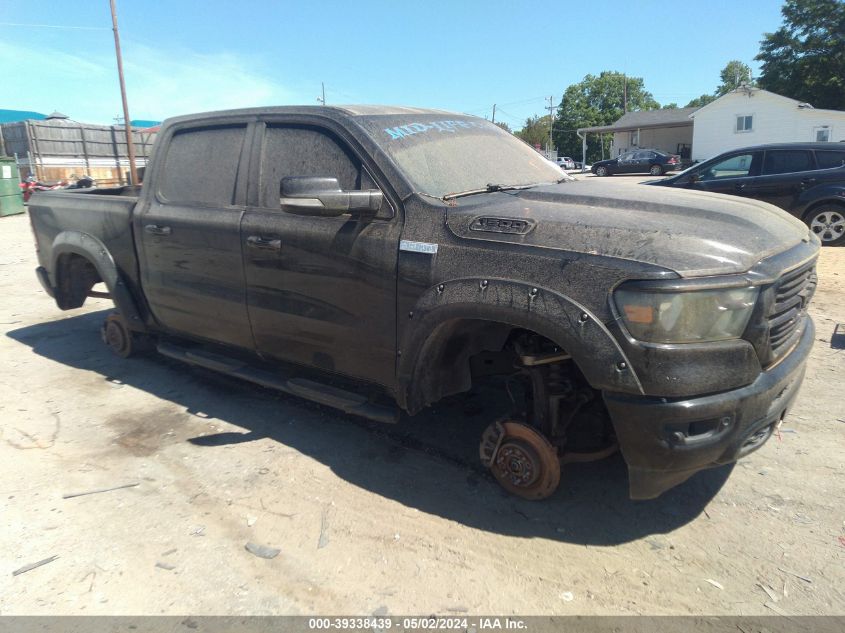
<point>379,259</point>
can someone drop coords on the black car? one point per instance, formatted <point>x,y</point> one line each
<point>641,161</point>
<point>805,179</point>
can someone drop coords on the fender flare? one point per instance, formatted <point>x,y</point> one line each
<point>547,312</point>
<point>95,252</point>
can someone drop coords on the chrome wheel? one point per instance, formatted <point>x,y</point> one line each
<point>601,171</point>
<point>828,224</point>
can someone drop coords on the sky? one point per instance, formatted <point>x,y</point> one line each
<point>183,56</point>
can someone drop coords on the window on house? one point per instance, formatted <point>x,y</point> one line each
<point>635,139</point>
<point>744,123</point>
<point>822,134</point>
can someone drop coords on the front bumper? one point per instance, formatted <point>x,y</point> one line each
<point>667,440</point>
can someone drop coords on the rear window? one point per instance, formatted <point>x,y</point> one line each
<point>787,161</point>
<point>202,165</point>
<point>830,160</point>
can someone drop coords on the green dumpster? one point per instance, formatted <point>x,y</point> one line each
<point>11,197</point>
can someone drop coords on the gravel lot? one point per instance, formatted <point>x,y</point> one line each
<point>368,519</point>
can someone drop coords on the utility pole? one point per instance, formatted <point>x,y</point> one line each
<point>130,146</point>
<point>625,94</point>
<point>494,113</point>
<point>551,125</point>
<point>322,99</point>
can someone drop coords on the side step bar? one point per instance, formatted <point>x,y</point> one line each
<point>346,401</point>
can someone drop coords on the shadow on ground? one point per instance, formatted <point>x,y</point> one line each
<point>428,462</point>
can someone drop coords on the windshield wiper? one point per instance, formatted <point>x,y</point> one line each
<point>490,188</point>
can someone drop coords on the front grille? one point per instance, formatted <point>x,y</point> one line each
<point>792,294</point>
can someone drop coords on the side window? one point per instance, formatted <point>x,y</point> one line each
<point>736,166</point>
<point>830,160</point>
<point>745,123</point>
<point>822,134</point>
<point>201,166</point>
<point>787,161</point>
<point>627,156</point>
<point>306,151</point>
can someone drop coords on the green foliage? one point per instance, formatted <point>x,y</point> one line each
<point>670,106</point>
<point>535,132</point>
<point>805,58</point>
<point>701,101</point>
<point>596,100</point>
<point>733,76</point>
<point>504,126</point>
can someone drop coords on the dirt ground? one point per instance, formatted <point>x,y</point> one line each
<point>370,519</point>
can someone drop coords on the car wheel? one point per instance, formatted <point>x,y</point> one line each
<point>828,223</point>
<point>656,170</point>
<point>602,171</point>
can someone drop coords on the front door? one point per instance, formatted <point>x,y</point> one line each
<point>321,291</point>
<point>733,175</point>
<point>189,237</point>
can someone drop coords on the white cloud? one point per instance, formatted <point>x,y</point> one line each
<point>159,83</point>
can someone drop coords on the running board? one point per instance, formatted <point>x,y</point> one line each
<point>346,401</point>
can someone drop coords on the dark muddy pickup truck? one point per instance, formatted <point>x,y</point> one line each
<point>379,259</point>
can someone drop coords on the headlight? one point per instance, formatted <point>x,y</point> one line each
<point>686,317</point>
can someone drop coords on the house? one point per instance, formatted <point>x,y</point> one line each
<point>669,129</point>
<point>752,116</point>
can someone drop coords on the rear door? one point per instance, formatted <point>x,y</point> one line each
<point>321,290</point>
<point>734,174</point>
<point>644,160</point>
<point>786,174</point>
<point>189,237</point>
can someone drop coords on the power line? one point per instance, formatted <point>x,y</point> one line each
<point>56,26</point>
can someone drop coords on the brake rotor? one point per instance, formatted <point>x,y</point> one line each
<point>521,459</point>
<point>117,336</point>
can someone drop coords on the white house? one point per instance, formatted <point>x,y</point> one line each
<point>751,116</point>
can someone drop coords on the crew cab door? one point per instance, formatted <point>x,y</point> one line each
<point>188,234</point>
<point>321,290</point>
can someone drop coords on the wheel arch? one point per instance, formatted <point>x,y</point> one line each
<point>74,256</point>
<point>457,319</point>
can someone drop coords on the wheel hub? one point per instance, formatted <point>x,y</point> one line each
<point>519,464</point>
<point>828,225</point>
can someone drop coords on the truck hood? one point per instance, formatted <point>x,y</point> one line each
<point>691,233</point>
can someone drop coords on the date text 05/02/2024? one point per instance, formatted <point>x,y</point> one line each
<point>431,623</point>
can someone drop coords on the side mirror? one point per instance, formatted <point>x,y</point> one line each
<point>324,197</point>
<point>694,178</point>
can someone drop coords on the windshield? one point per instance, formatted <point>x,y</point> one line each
<point>442,154</point>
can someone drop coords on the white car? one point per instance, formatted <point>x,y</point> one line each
<point>564,162</point>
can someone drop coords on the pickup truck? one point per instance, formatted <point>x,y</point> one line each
<point>378,259</point>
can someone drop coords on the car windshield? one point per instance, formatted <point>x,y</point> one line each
<point>445,154</point>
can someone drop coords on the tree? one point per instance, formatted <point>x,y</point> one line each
<point>535,131</point>
<point>805,58</point>
<point>597,100</point>
<point>504,126</point>
<point>669,106</point>
<point>700,102</point>
<point>733,76</point>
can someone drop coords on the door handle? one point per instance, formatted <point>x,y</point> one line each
<point>740,186</point>
<point>266,243</point>
<point>155,229</point>
<point>808,182</point>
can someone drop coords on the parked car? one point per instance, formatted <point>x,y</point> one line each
<point>805,179</point>
<point>565,162</point>
<point>641,161</point>
<point>359,257</point>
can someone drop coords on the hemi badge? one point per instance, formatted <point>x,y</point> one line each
<point>417,247</point>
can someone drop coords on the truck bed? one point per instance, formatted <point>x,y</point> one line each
<point>102,214</point>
